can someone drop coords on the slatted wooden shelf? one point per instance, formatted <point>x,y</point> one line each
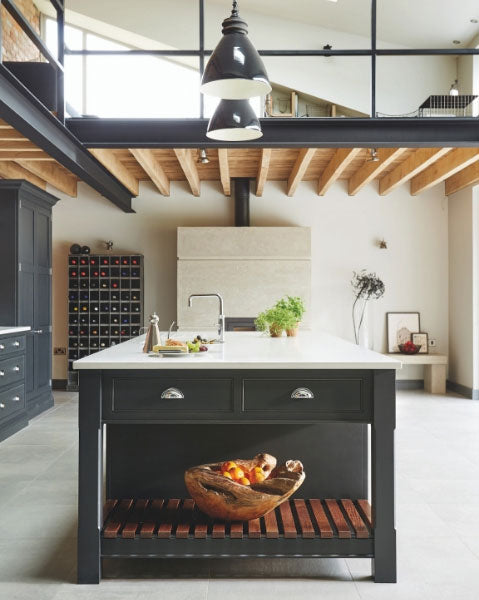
<point>170,519</point>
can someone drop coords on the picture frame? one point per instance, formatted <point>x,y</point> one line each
<point>421,338</point>
<point>400,326</point>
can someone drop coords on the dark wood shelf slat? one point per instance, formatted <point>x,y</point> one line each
<point>171,519</point>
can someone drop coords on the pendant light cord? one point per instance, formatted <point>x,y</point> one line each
<point>234,12</point>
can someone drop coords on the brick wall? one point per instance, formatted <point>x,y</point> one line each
<point>15,44</point>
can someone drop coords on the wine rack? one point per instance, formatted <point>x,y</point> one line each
<point>105,304</point>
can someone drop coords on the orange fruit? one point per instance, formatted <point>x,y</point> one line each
<point>227,474</point>
<point>258,470</point>
<point>229,464</point>
<point>236,473</point>
<point>257,476</point>
<point>244,481</point>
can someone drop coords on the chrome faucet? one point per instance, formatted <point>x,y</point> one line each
<point>221,317</point>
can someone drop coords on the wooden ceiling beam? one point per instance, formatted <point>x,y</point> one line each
<point>338,163</point>
<point>153,169</point>
<point>10,170</point>
<point>299,169</point>
<point>371,169</point>
<point>53,174</point>
<point>11,134</point>
<point>116,168</point>
<point>263,169</point>
<point>25,155</point>
<point>465,178</point>
<point>445,167</point>
<point>19,145</point>
<point>224,171</point>
<point>188,165</point>
<point>420,160</point>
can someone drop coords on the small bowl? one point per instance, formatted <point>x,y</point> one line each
<point>404,350</point>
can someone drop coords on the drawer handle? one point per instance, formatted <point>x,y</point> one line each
<point>302,392</point>
<point>172,394</point>
<point>2,405</point>
<point>2,373</point>
<point>16,343</point>
<point>16,368</point>
<point>16,399</point>
<point>2,347</point>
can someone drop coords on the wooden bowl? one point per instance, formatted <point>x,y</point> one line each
<point>222,498</point>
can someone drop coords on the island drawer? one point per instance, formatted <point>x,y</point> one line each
<point>11,370</point>
<point>168,397</point>
<point>11,401</point>
<point>306,397</point>
<point>9,345</point>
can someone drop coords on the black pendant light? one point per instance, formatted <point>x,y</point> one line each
<point>234,121</point>
<point>235,69</point>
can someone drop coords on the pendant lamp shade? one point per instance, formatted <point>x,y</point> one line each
<point>235,69</point>
<point>234,121</point>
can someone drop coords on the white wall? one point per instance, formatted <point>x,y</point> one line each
<point>463,276</point>
<point>344,235</point>
<point>402,82</point>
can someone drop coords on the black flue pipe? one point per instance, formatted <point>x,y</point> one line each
<point>242,190</point>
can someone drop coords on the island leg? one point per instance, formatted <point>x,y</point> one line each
<point>89,478</point>
<point>382,467</point>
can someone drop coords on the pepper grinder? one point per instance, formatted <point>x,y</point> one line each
<point>153,334</point>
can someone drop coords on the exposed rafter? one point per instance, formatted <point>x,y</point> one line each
<point>24,155</point>
<point>462,179</point>
<point>263,168</point>
<point>224,171</point>
<point>299,169</point>
<point>116,168</point>
<point>447,166</point>
<point>153,169</point>
<point>52,174</point>
<point>187,163</point>
<point>418,161</point>
<point>340,161</point>
<point>10,170</point>
<point>371,169</point>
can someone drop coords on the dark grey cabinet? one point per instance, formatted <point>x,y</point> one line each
<point>26,273</point>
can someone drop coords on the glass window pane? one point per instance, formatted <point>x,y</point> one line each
<point>150,24</point>
<point>140,86</point>
<point>74,82</point>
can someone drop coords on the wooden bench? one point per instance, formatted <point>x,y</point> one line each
<point>435,366</point>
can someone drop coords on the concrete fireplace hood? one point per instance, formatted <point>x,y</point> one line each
<point>251,267</point>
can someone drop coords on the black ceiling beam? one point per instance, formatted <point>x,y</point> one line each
<point>20,108</point>
<point>281,133</point>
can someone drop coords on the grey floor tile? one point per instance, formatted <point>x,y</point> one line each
<point>282,589</point>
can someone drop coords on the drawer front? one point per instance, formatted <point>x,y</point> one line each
<point>305,398</point>
<point>12,401</point>
<point>170,397</point>
<point>12,370</point>
<point>9,345</point>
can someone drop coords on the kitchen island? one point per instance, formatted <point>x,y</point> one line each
<point>309,398</point>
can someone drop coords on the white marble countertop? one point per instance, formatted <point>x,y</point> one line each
<point>247,350</point>
<point>9,330</point>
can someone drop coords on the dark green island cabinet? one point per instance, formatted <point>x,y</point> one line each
<point>315,398</point>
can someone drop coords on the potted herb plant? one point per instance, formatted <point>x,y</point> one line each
<point>295,305</point>
<point>275,320</point>
<point>366,286</point>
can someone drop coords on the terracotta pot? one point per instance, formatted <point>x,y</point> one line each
<point>293,332</point>
<point>275,330</point>
<point>222,498</point>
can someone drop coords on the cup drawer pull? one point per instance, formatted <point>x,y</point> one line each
<point>16,368</point>
<point>302,392</point>
<point>172,393</point>
<point>16,398</point>
<point>2,405</point>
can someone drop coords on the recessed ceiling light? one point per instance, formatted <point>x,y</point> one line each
<point>474,21</point>
<point>456,41</point>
